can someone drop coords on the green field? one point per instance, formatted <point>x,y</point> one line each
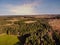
<point>8,39</point>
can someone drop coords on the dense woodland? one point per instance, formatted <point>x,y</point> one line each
<point>38,32</point>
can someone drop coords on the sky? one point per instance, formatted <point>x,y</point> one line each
<point>29,7</point>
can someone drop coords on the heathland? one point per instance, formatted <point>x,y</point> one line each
<point>30,30</point>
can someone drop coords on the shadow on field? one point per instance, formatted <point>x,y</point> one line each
<point>22,39</point>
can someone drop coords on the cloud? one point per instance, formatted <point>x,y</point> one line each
<point>25,9</point>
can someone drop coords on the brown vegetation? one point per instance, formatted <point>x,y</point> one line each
<point>55,23</point>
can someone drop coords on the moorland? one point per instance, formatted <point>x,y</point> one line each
<point>30,30</point>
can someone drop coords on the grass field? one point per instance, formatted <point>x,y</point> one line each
<point>8,39</point>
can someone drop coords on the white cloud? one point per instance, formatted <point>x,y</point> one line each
<point>26,9</point>
<point>22,9</point>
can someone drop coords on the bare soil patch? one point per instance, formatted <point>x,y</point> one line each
<point>30,21</point>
